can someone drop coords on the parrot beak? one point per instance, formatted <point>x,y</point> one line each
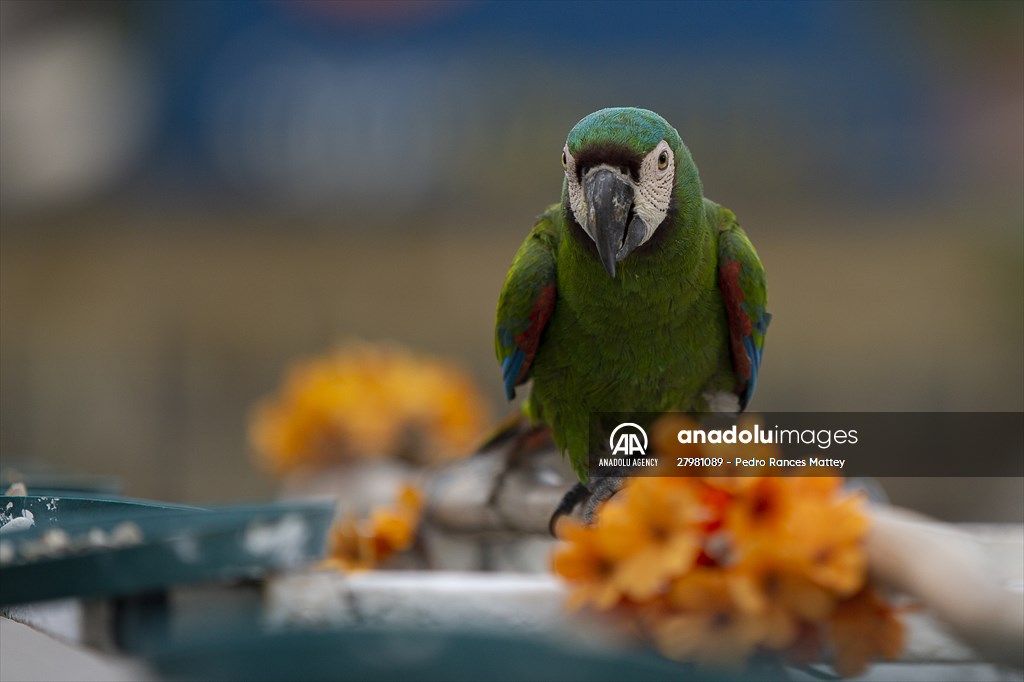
<point>609,197</point>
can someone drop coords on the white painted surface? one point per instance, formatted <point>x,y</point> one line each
<point>27,655</point>
<point>502,602</point>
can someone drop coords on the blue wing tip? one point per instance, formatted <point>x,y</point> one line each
<point>754,353</point>
<point>510,372</point>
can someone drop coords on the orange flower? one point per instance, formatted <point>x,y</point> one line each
<point>762,510</point>
<point>410,498</point>
<point>865,627</point>
<point>716,568</point>
<point>355,544</point>
<point>368,401</point>
<point>825,542</point>
<point>664,437</point>
<point>394,530</point>
<point>350,546</point>
<point>588,565</point>
<point>782,600</point>
<point>654,525</point>
<point>705,625</point>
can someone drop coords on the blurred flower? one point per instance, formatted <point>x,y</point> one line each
<point>656,533</point>
<point>865,627</point>
<point>664,433</point>
<point>825,542</point>
<point>716,569</point>
<point>782,600</point>
<point>367,401</point>
<point>805,525</point>
<point>762,510</point>
<point>704,625</point>
<point>395,528</point>
<point>361,544</point>
<point>588,561</point>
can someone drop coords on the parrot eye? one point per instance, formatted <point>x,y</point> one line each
<point>565,164</point>
<point>663,160</point>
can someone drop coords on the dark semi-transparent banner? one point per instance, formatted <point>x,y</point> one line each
<point>808,444</point>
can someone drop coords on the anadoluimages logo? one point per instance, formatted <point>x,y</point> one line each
<point>628,439</point>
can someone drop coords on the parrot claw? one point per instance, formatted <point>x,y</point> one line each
<point>601,490</point>
<point>576,494</point>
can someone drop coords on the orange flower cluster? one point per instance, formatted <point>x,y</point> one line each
<point>366,401</point>
<point>361,544</point>
<point>717,569</point>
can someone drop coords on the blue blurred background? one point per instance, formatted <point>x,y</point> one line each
<point>195,193</point>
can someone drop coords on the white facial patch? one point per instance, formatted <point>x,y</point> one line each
<point>577,202</point>
<point>651,195</point>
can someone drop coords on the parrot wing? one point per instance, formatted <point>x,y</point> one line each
<point>742,282</point>
<point>526,302</point>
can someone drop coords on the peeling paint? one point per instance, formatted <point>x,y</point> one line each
<point>283,542</point>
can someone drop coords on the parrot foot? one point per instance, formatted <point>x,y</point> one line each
<point>601,490</point>
<point>576,494</point>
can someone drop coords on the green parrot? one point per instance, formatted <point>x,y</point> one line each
<point>633,294</point>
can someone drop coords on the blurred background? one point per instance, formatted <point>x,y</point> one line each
<point>195,194</point>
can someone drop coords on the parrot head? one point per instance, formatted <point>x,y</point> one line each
<point>622,168</point>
